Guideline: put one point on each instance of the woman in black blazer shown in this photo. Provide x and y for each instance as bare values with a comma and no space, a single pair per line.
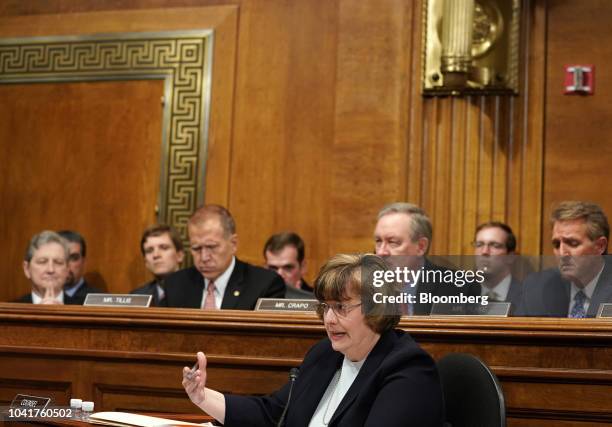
365,373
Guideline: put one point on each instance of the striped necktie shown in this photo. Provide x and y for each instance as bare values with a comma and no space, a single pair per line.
209,301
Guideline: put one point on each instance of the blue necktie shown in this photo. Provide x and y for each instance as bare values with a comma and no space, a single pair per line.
578,308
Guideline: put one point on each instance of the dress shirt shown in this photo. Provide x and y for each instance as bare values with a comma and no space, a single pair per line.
38,300
588,292
337,388
498,292
220,285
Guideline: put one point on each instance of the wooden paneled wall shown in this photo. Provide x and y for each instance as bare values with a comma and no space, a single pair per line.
553,371
578,128
317,119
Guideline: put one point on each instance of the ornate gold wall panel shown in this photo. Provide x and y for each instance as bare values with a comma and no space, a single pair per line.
182,59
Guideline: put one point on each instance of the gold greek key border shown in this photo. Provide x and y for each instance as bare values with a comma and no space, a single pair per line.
183,59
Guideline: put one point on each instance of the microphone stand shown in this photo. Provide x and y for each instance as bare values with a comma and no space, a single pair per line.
293,374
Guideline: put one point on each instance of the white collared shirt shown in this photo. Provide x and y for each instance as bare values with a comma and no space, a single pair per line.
499,291
587,290
337,388
38,300
220,284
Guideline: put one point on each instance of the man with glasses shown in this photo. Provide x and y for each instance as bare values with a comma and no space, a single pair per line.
494,247
218,279
76,287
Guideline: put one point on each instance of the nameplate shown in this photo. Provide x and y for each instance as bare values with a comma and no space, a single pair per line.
26,401
605,310
117,300
286,304
497,309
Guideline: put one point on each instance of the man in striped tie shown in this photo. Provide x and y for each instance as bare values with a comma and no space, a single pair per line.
583,277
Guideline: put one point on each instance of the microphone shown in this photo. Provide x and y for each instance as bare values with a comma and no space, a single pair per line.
293,374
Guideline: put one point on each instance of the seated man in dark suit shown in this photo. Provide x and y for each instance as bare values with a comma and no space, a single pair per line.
402,235
284,253
46,266
494,247
76,287
218,279
583,278
162,250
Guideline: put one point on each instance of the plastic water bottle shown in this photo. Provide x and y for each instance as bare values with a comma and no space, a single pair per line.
75,406
86,410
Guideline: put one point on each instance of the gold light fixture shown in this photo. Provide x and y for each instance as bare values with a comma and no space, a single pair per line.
471,46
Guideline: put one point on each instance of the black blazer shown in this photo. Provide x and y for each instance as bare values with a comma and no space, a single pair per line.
81,293
151,289
546,293
398,385
515,292
294,293
246,284
438,288
67,300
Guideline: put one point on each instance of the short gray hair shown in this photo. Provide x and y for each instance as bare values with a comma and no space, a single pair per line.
43,238
420,224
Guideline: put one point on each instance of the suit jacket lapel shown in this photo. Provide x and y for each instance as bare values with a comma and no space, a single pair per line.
234,287
603,290
558,298
514,293
374,360
311,390
192,295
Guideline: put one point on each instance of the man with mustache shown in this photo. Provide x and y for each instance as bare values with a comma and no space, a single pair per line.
583,279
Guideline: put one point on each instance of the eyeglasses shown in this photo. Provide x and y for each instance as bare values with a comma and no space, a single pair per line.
339,308
478,244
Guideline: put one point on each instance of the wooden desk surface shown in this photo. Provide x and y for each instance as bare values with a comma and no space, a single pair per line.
190,418
553,371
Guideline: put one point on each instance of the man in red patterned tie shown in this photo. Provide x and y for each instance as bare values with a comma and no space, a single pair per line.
218,279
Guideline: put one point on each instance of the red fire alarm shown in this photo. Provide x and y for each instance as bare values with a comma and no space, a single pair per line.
579,79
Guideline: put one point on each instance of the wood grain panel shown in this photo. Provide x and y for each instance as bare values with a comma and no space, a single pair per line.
578,128
369,147
83,157
122,232
283,124
59,391
553,371
466,153
478,158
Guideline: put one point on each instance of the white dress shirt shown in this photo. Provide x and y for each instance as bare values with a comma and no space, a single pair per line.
220,285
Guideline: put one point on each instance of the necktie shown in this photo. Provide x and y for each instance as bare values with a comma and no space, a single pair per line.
578,308
209,301
493,297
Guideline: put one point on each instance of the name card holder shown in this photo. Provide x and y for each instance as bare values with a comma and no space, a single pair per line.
286,304
117,300
605,311
493,309
30,402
